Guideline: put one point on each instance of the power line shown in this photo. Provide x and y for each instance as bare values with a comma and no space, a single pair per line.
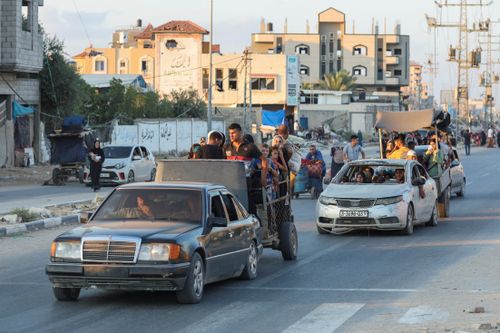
81,21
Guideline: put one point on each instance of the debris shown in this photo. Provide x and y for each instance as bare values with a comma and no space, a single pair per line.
482,327
477,309
42,212
10,219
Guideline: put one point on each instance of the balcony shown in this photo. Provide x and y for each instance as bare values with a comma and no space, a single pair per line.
263,38
392,81
392,60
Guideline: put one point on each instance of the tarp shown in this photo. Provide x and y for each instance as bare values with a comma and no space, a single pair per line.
20,111
407,121
273,118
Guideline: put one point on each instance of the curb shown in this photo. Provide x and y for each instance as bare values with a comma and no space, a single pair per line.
38,225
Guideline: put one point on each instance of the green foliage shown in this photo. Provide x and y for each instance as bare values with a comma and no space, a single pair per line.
187,103
338,81
25,215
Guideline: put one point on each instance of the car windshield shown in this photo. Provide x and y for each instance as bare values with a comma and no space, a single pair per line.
152,204
373,174
117,152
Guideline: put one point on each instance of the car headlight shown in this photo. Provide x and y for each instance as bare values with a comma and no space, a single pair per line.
389,201
328,201
159,252
66,250
120,165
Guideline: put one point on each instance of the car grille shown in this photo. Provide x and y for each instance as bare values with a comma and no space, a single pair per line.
110,250
355,203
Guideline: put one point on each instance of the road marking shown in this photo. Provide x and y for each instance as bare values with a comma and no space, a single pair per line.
325,318
302,262
364,290
423,314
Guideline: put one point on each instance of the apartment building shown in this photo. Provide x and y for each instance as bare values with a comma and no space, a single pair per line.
378,61
21,59
417,91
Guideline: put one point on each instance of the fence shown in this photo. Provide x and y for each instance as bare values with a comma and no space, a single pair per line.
164,136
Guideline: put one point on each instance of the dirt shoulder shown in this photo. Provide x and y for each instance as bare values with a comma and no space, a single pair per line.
32,175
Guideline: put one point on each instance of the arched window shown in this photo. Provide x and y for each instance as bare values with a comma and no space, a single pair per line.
146,65
100,64
360,50
302,49
359,71
304,70
123,66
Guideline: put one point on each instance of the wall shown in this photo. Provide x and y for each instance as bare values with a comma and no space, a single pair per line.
175,135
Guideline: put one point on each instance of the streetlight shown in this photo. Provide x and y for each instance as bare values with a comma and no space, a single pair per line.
209,111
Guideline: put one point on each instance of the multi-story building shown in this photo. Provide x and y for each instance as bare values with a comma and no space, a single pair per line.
417,91
378,61
21,59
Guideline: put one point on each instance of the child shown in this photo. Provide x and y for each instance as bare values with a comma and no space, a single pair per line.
272,173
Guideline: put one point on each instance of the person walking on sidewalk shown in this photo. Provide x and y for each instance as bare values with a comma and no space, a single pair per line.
96,157
353,150
491,135
467,141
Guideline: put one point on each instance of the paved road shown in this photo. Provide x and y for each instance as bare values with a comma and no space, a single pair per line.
363,282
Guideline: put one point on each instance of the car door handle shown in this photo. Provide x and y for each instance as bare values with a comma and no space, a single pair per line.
230,234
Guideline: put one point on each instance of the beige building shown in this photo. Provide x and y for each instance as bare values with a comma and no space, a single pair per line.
379,61
417,91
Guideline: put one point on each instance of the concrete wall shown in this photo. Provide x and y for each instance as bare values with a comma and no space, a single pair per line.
166,136
7,144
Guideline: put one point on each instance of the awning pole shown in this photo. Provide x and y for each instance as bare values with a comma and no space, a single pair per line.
380,143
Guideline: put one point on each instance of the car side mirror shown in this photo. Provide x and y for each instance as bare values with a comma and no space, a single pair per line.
418,182
217,222
136,158
85,217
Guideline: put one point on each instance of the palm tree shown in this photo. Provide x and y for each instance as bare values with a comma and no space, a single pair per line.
338,81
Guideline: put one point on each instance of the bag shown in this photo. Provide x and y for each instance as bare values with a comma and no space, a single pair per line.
315,170
338,155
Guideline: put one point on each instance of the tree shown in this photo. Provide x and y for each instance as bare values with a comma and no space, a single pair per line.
62,90
187,104
339,81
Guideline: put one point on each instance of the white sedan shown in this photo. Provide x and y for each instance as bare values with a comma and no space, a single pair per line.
378,194
125,164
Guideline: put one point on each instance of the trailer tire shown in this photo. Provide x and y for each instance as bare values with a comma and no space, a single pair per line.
288,241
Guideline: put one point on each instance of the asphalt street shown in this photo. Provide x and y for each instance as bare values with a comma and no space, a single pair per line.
360,282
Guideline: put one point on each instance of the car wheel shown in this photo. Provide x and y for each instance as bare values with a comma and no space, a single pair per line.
322,231
288,241
250,270
131,177
195,282
461,193
153,175
66,294
408,230
433,222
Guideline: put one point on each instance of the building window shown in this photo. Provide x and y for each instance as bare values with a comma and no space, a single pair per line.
147,45
339,64
359,71
332,46
279,45
304,70
171,44
330,64
219,79
123,64
360,50
26,15
323,48
205,74
144,66
99,66
302,49
388,74
263,83
397,51
233,79
397,72
323,68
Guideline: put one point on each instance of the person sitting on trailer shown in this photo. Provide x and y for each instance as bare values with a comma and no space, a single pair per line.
401,150
213,149
435,159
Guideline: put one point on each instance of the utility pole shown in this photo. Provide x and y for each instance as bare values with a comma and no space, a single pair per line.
460,53
245,60
210,83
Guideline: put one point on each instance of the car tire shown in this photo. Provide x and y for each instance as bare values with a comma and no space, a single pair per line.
252,264
322,231
153,175
288,241
408,230
66,294
131,177
195,282
433,222
461,193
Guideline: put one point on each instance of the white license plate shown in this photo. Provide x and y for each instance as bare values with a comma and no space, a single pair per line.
353,213
105,175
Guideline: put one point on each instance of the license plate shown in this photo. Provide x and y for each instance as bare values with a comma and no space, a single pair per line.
105,175
353,213
104,271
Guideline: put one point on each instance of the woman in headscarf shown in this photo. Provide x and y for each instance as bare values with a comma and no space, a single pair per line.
96,158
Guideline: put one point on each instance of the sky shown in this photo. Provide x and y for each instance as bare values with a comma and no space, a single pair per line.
83,22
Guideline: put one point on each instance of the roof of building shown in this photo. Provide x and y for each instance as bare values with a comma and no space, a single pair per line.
181,27
147,33
104,80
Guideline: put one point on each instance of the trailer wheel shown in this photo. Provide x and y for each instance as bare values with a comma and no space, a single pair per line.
444,203
57,176
288,241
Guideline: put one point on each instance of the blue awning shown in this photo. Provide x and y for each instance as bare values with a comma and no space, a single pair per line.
20,111
273,118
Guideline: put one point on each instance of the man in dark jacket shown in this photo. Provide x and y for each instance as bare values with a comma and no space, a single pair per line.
96,157
467,141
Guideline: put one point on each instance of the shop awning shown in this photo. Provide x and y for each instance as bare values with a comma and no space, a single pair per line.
407,121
